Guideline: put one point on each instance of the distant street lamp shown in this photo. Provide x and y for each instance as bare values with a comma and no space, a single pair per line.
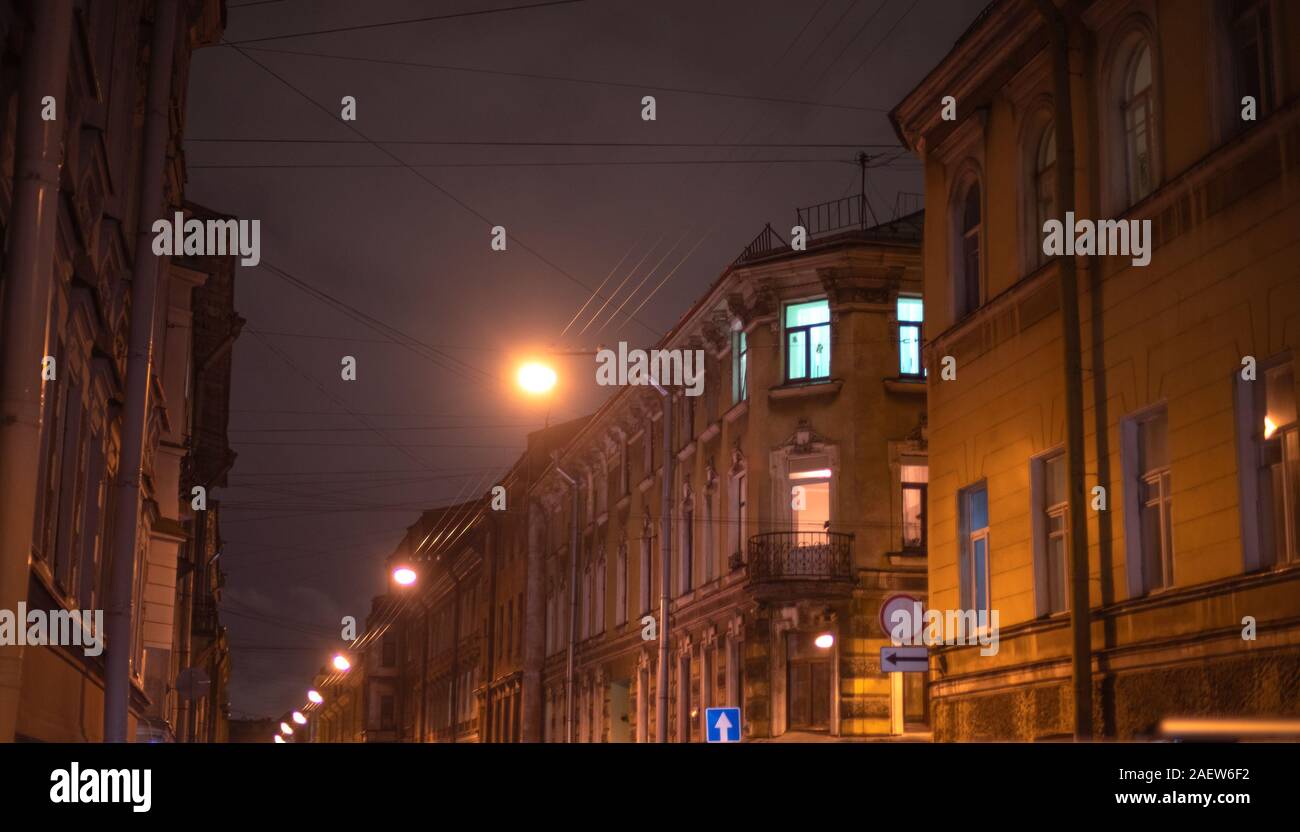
279,738
404,576
341,663
824,641
536,378
286,728
315,697
299,718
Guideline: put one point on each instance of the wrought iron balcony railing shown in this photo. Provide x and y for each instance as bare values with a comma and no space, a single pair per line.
802,556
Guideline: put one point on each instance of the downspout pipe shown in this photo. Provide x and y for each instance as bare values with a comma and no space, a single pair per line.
145,280
573,609
1058,29
665,566
25,331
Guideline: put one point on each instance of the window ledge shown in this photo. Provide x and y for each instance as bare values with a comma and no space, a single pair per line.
737,410
687,451
915,386
829,387
710,432
915,559
646,483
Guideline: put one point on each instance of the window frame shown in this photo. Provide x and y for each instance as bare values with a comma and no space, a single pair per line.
919,327
807,331
968,541
739,366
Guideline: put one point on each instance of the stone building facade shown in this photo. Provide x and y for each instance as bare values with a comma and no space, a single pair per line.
92,90
1188,417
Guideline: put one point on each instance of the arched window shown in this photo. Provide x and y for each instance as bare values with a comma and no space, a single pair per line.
968,289
1044,186
1139,122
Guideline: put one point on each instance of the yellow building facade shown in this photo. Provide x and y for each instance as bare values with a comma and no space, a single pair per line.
1189,429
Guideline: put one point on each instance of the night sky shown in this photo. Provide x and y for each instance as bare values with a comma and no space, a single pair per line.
375,241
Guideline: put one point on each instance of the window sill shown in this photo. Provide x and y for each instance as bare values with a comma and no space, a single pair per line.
916,559
710,432
826,387
909,385
687,451
646,483
737,410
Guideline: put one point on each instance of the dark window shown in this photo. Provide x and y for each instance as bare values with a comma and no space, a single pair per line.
1252,52
970,251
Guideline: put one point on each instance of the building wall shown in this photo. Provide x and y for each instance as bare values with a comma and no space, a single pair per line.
72,438
861,421
1221,285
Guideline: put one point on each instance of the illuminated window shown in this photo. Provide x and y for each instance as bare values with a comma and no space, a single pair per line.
915,477
911,313
808,340
1275,436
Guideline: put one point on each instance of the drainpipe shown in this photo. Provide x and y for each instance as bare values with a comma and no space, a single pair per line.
144,300
573,609
1080,603
665,566
25,326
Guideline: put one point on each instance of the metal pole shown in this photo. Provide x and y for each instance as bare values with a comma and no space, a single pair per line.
144,300
665,567
1080,603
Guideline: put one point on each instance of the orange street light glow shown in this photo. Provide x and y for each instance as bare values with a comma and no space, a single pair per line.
536,378
279,738
285,728
315,697
824,641
299,718
404,575
341,662
1270,427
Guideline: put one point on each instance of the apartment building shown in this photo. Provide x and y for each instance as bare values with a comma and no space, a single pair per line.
796,498
797,505
1184,115
96,506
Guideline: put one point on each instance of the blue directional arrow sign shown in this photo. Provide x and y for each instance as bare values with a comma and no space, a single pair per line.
904,659
723,724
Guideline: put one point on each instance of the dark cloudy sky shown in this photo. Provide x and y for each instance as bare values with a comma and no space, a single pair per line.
330,472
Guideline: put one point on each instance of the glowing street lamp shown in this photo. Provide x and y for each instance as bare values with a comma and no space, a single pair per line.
341,663
279,738
299,718
536,378
286,728
824,641
315,697
404,576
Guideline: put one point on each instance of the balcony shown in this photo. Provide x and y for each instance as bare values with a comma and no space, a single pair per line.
815,563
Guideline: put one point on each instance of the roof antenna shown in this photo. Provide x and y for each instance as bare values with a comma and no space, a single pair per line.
863,158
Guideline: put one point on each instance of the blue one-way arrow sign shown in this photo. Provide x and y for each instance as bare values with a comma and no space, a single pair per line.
723,724
904,659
